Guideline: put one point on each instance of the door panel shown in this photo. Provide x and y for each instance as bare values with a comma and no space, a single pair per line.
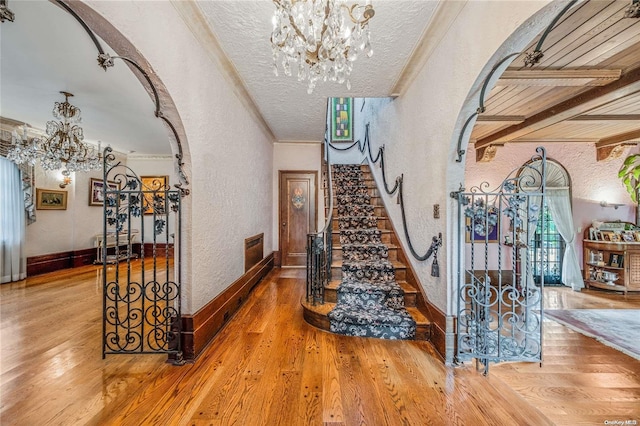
297,215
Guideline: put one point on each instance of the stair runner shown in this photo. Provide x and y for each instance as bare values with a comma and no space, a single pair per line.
370,303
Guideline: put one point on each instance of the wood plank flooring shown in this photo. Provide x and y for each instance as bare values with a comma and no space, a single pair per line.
268,367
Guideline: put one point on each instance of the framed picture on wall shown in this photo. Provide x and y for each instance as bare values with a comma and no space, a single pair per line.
154,188
476,235
51,199
96,191
342,119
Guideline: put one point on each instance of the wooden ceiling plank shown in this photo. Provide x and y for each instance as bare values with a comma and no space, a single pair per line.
515,106
572,21
628,105
629,57
628,84
603,42
500,119
606,117
564,77
537,104
620,49
607,30
502,95
633,135
578,36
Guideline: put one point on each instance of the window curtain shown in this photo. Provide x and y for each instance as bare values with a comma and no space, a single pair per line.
559,205
13,263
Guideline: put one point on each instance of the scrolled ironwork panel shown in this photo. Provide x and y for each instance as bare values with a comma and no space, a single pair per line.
142,292
499,305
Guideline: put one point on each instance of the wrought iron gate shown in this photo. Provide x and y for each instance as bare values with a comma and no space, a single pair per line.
140,254
499,306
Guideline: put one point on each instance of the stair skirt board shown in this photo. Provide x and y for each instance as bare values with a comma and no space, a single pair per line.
370,303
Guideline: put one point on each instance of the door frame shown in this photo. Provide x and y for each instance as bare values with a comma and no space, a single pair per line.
315,210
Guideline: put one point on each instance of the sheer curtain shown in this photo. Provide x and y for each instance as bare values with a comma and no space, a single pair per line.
13,263
559,205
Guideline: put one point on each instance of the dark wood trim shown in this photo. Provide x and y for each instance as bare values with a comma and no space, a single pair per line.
42,264
431,311
277,260
253,250
51,262
160,249
314,224
83,257
199,329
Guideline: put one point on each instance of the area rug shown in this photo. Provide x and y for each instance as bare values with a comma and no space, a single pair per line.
618,328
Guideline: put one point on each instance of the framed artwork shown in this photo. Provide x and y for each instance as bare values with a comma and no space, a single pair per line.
342,119
615,260
96,188
480,236
628,237
51,199
154,188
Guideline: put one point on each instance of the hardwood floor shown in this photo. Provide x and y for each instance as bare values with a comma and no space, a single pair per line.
268,367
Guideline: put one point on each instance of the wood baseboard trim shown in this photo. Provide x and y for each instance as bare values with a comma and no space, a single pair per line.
42,264
161,249
199,329
431,311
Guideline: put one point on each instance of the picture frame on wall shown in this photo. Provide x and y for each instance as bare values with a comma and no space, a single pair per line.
154,188
96,191
51,199
478,238
342,119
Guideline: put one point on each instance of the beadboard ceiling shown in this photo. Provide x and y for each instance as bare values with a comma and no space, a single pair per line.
585,89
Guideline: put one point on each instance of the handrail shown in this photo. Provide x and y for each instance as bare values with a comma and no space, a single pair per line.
319,243
329,177
398,187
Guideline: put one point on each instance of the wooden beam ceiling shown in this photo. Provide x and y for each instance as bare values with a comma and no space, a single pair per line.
561,77
579,105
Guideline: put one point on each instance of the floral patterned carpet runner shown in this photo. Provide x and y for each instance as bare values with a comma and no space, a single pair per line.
370,302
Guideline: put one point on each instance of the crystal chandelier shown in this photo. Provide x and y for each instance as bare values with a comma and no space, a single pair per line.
63,146
321,38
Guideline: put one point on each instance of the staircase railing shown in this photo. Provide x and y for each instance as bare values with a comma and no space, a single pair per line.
320,243
436,241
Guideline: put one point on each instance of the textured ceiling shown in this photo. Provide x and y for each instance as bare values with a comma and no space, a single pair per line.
46,51
243,29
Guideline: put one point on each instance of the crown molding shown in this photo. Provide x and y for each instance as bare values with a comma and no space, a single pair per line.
443,17
195,20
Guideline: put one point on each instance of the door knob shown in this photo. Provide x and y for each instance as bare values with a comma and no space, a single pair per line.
284,223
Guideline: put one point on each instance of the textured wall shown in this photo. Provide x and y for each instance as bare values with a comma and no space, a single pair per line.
419,128
232,158
591,181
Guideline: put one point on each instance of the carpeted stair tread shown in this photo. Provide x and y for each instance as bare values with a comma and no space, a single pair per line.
396,264
369,300
405,286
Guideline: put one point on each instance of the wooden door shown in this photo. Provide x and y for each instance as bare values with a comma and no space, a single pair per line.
298,196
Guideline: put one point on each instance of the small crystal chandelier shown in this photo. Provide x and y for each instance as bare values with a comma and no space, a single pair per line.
63,146
314,37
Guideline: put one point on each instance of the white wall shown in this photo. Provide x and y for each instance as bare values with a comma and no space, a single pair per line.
420,128
229,155
296,156
58,231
